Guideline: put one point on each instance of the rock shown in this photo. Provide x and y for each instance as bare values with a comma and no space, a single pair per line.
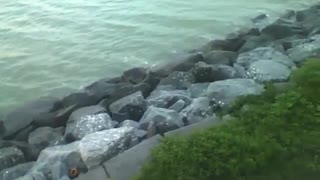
38,176
134,75
282,28
220,57
9,157
263,53
110,93
166,98
24,115
224,92
16,171
240,69
178,106
198,89
199,109
99,147
129,123
202,72
254,42
222,72
309,20
86,123
160,121
265,71
303,51
58,171
45,136
24,133
30,152
180,80
69,155
130,107
98,173
132,160
293,41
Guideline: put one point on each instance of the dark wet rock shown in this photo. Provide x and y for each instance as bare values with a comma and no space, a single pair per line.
68,155
45,136
160,120
24,133
178,106
198,89
199,109
99,147
134,75
266,71
85,121
180,80
220,57
166,98
309,20
129,123
16,171
259,18
58,171
306,50
202,72
283,28
224,92
254,42
87,124
30,152
294,41
9,157
130,107
24,115
264,53
222,72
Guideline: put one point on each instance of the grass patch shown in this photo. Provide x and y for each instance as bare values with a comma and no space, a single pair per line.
272,136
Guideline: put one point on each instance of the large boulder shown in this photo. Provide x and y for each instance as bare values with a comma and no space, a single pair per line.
160,120
99,147
224,92
178,79
129,107
306,50
283,28
25,114
265,71
220,57
166,98
87,124
198,89
263,53
46,136
308,18
222,72
9,157
16,171
31,152
135,75
200,109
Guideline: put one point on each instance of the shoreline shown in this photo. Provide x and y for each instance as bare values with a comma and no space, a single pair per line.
112,119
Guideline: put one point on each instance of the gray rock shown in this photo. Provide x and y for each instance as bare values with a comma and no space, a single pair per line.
130,107
309,20
16,171
78,128
263,53
58,171
178,106
39,176
304,51
30,152
46,136
129,123
220,57
67,178
202,72
160,120
69,155
282,28
25,114
134,75
99,147
198,89
95,174
199,109
132,160
224,92
240,69
24,133
9,157
166,98
180,80
222,72
265,71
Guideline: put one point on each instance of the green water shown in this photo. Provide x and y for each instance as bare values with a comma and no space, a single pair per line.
52,47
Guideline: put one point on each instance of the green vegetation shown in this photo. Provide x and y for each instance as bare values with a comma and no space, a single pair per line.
275,137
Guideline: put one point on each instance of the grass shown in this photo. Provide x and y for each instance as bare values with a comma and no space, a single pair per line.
275,137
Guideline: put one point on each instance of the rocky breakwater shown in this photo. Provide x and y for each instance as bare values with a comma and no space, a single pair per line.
107,129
